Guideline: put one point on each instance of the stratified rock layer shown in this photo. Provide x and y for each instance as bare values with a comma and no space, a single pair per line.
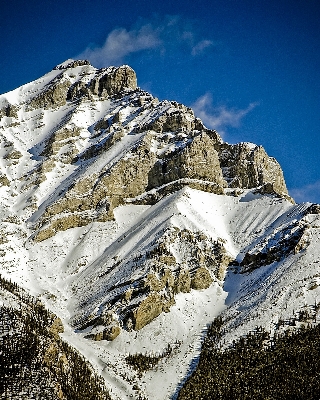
247,166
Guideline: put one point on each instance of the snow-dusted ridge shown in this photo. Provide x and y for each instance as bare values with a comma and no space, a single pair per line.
132,221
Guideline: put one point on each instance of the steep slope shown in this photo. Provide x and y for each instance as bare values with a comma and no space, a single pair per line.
137,225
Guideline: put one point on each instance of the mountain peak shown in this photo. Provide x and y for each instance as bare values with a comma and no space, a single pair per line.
71,63
137,224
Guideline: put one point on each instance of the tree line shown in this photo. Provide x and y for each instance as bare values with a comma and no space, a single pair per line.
34,362
258,366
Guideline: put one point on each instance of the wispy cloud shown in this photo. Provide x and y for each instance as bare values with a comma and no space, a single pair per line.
219,117
172,33
120,43
199,47
310,192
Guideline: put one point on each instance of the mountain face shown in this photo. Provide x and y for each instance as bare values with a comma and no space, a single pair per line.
137,225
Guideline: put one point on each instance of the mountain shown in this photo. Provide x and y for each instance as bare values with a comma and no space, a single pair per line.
137,226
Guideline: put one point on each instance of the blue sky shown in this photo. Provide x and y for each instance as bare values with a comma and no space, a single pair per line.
249,68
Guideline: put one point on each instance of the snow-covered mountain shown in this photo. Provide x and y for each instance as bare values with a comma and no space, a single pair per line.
137,225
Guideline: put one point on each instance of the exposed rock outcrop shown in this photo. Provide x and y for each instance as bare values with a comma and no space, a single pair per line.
150,308
247,166
183,282
10,110
177,118
196,165
290,240
174,149
113,80
109,333
134,302
65,136
107,82
197,160
4,181
71,64
313,209
156,194
54,95
112,332
201,279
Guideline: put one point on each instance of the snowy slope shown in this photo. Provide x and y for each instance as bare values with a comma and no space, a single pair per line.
246,298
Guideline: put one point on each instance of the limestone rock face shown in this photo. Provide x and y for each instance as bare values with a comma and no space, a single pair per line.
79,90
54,95
4,181
169,148
201,279
198,160
197,263
62,224
9,154
183,282
9,110
247,166
149,309
155,284
156,194
107,82
96,196
113,80
111,333
178,118
60,138
129,177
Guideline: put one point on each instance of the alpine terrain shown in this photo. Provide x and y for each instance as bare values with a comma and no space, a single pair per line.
128,232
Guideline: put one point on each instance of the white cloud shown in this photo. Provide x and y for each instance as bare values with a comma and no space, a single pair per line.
310,192
120,43
199,47
171,33
218,117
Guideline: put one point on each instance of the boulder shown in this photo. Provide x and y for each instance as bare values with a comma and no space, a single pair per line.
182,282
201,279
150,308
111,332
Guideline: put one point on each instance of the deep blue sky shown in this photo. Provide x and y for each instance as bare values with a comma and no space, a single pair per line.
250,68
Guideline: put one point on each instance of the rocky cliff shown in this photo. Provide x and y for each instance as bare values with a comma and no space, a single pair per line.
146,144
